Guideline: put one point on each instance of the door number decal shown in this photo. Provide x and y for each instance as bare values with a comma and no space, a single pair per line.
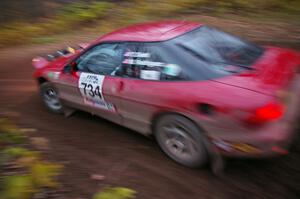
90,86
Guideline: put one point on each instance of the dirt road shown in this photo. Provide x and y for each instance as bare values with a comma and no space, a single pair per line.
90,145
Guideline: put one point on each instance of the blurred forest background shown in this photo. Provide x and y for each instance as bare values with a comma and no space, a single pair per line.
36,21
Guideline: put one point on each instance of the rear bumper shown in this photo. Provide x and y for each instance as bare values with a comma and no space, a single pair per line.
270,140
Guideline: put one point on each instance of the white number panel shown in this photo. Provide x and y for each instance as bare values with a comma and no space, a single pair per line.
90,86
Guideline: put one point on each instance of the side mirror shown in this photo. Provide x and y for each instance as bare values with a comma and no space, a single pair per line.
118,72
69,67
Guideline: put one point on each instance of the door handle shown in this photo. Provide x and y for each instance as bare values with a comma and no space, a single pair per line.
117,87
121,86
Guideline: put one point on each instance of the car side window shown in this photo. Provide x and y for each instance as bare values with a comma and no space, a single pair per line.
147,61
103,59
130,69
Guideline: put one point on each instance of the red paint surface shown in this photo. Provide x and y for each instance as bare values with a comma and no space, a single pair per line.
240,95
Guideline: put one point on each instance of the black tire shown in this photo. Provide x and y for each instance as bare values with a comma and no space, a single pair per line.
181,140
45,89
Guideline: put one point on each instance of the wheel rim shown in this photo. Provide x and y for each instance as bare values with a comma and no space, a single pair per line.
178,142
51,99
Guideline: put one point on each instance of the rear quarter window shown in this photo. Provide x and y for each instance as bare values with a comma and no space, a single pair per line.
149,61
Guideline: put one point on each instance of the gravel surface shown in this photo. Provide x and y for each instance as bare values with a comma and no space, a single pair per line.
89,146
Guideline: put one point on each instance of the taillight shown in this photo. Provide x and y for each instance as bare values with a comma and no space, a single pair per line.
269,112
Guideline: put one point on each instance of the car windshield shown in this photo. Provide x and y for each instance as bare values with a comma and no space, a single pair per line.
217,47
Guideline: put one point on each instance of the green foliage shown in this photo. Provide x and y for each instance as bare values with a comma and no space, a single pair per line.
73,15
17,187
34,172
115,193
44,174
169,7
13,138
23,155
79,13
17,152
121,13
40,175
9,133
7,127
43,40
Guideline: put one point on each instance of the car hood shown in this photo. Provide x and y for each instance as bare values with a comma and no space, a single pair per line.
58,59
272,71
56,64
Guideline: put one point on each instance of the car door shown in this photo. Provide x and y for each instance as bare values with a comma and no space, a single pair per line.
91,83
143,93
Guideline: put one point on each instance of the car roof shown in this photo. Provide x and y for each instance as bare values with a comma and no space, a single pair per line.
150,32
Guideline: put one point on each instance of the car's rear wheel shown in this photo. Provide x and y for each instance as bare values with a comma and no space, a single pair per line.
181,140
50,97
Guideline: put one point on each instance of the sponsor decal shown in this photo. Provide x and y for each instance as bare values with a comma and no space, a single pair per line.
53,75
171,70
235,146
222,145
150,74
143,63
246,148
137,54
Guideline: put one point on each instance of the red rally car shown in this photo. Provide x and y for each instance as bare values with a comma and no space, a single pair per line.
197,89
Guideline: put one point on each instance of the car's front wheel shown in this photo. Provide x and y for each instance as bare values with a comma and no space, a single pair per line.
181,140
50,97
